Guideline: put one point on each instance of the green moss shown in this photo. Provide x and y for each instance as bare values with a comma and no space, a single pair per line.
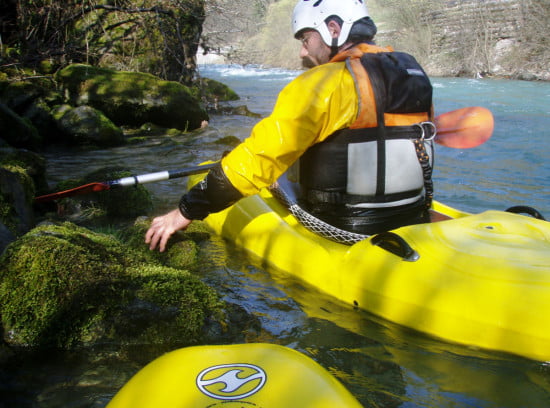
132,98
52,280
64,285
86,125
183,249
174,132
215,90
169,288
125,202
8,214
46,67
136,140
182,254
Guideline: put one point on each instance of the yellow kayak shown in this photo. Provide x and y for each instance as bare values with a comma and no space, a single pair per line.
480,280
243,375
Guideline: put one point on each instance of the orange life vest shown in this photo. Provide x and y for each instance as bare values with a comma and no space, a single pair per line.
373,163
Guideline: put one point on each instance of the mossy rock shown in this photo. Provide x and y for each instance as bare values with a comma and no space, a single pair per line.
65,286
33,163
18,95
64,271
123,202
132,98
16,195
182,249
127,202
238,110
18,131
174,303
215,90
85,125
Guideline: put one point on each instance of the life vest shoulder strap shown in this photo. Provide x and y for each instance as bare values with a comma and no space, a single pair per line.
375,70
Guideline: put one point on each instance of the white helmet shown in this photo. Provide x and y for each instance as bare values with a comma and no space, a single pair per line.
313,13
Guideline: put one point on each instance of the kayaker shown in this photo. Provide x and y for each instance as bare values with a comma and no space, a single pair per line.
360,168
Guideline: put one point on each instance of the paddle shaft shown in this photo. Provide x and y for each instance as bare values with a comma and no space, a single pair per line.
159,176
126,181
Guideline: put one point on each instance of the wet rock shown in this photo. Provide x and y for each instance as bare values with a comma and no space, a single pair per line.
183,247
238,110
17,131
115,203
213,92
33,164
230,141
16,195
83,288
132,98
85,125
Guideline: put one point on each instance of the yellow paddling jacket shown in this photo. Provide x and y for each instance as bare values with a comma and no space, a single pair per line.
311,109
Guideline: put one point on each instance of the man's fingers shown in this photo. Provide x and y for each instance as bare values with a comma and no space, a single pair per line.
154,242
154,233
163,227
164,241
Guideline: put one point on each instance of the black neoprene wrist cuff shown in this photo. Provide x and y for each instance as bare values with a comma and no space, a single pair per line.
211,195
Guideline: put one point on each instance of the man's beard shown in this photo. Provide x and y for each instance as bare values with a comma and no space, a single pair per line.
308,63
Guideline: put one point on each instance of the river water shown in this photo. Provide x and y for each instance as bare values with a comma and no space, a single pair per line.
382,364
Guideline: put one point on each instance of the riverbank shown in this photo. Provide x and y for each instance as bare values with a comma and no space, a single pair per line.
470,39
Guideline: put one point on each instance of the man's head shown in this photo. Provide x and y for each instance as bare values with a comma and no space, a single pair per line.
324,26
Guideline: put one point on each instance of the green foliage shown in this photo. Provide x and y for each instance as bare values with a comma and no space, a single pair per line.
160,37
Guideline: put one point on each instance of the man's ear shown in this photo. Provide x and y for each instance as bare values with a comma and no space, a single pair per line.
334,28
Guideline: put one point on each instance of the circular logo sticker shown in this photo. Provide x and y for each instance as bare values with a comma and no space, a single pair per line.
231,381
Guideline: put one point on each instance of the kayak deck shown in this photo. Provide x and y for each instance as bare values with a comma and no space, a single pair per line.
256,374
480,280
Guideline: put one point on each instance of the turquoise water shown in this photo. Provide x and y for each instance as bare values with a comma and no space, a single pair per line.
511,168
382,364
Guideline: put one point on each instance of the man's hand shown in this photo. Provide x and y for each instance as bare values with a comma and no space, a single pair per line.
163,227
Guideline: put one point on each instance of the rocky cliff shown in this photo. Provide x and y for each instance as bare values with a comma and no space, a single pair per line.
504,38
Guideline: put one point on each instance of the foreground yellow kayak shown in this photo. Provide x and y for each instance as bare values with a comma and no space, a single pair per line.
243,375
480,280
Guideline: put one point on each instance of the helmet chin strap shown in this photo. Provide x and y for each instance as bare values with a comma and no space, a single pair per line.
334,48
